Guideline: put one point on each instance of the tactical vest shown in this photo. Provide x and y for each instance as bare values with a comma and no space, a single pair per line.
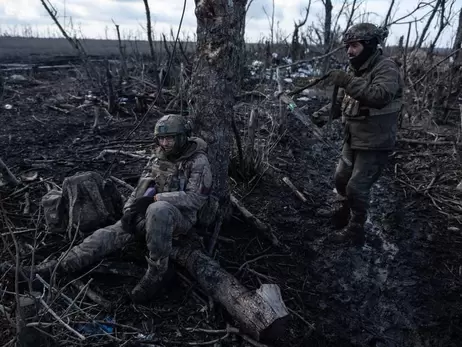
165,176
351,108
371,128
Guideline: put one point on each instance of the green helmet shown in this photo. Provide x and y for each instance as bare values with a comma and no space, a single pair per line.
365,32
173,125
170,125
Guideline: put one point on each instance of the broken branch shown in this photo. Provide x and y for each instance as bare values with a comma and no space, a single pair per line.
299,194
58,318
254,221
7,174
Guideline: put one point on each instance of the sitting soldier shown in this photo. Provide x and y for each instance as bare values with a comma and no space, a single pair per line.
173,188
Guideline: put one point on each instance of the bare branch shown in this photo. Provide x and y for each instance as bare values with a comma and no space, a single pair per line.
387,17
423,35
420,6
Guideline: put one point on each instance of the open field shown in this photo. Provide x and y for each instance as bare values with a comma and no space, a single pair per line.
25,50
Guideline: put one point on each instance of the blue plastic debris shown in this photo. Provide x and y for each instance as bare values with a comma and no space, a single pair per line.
96,328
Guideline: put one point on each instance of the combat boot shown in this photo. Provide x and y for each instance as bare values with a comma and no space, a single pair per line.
158,274
354,233
341,215
44,269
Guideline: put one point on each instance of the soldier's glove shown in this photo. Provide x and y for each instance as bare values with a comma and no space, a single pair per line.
339,78
128,221
140,205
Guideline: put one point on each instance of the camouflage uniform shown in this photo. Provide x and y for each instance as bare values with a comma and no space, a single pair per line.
183,184
370,102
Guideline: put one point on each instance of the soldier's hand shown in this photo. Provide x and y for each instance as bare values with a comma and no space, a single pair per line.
339,78
128,221
140,205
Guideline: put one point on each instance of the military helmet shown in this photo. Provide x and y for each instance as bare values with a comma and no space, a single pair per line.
365,32
176,126
171,125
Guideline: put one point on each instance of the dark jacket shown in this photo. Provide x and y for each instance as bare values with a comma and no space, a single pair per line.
371,103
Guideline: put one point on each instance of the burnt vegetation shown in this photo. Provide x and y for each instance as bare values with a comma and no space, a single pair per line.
68,106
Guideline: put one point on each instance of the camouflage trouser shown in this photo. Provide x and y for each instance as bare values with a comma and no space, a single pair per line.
355,182
161,224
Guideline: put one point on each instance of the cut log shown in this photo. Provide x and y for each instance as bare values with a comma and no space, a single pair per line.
261,313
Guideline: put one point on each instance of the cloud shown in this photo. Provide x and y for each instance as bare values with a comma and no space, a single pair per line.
94,18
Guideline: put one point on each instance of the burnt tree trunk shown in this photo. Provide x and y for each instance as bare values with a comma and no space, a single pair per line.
327,32
458,39
220,48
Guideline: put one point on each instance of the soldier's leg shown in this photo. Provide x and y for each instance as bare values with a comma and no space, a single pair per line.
367,170
343,172
163,222
95,247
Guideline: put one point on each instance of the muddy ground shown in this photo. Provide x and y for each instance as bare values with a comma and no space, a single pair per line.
401,289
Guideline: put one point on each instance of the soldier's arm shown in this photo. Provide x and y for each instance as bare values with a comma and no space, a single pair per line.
381,91
145,173
197,188
324,111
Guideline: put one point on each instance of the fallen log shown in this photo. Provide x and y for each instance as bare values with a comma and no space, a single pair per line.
261,313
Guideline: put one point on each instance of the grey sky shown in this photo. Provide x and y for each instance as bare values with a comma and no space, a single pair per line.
93,18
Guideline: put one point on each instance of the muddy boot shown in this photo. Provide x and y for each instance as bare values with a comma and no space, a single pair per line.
341,215
353,233
44,269
158,274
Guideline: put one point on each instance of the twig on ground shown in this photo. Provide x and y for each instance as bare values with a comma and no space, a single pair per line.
422,142
93,296
7,174
128,154
53,313
258,258
311,325
299,194
254,221
122,183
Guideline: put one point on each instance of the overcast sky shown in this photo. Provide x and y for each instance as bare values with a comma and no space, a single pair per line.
93,18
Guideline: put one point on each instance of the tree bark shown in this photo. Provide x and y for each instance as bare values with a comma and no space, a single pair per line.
327,32
220,47
458,39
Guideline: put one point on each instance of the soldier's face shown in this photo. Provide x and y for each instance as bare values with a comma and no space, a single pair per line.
167,143
354,49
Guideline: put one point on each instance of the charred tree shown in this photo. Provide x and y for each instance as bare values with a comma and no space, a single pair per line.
458,39
327,31
296,48
220,48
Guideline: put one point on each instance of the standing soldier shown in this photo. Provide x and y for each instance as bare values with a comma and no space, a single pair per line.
370,98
